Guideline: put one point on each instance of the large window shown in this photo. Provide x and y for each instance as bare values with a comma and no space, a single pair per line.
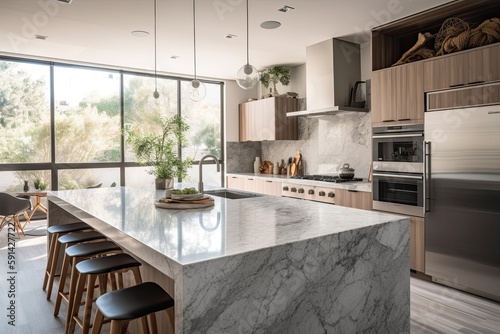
24,112
87,115
63,124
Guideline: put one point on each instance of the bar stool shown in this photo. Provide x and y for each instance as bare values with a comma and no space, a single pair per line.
73,255
54,248
74,238
138,301
88,272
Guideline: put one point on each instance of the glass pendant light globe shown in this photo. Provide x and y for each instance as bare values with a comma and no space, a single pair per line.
156,94
247,76
196,90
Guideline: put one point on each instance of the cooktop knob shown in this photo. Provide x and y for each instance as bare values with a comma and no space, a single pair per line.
285,188
331,194
310,192
322,193
301,190
293,190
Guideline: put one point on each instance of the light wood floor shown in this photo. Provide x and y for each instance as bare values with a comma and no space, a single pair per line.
434,308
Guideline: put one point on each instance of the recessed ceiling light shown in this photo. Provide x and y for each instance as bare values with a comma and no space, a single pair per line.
270,24
285,8
140,33
230,36
174,57
41,37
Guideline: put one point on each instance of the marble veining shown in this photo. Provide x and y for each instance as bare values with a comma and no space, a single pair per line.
261,265
326,143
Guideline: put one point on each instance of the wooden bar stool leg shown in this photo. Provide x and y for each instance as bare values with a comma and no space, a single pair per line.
152,323
49,261
62,281
98,319
118,326
88,304
82,279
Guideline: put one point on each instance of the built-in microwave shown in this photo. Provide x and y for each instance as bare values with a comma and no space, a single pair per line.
398,148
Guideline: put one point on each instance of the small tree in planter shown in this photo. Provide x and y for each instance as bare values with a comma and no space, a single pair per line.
273,75
159,150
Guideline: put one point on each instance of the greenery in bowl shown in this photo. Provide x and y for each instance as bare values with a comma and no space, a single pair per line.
273,75
159,150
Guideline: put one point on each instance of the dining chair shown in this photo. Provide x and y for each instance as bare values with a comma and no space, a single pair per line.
11,206
95,186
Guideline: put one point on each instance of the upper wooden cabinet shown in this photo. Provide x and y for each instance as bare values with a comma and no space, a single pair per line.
398,95
266,119
462,68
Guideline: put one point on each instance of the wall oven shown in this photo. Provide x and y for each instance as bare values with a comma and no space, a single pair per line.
398,169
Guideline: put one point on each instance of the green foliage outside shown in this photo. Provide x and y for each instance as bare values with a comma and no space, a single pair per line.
90,131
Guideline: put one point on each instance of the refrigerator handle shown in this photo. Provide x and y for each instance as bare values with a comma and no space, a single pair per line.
427,176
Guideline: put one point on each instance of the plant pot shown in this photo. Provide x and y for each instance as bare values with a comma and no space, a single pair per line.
164,184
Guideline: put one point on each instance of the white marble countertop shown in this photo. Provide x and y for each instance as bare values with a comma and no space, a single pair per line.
230,227
362,186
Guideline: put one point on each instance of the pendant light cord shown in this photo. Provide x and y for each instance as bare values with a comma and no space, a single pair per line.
194,36
247,34
155,45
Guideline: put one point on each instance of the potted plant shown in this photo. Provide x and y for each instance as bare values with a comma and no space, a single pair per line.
159,150
273,75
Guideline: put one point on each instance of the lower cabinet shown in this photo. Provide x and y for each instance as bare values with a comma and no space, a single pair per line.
255,185
354,199
417,245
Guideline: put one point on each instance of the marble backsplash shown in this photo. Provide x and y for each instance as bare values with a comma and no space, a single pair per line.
326,143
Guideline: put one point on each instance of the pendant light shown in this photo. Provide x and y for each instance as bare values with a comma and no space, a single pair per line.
247,76
155,94
196,89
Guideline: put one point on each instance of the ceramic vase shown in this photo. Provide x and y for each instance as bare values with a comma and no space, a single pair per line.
256,165
26,187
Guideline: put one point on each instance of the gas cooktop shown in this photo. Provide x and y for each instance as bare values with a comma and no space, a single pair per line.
325,178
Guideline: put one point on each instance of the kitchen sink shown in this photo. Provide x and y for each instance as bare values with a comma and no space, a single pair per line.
230,194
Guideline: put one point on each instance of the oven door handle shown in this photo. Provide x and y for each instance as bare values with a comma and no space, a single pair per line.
403,135
397,176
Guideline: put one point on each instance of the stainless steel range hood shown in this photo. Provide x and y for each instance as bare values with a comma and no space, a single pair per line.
332,69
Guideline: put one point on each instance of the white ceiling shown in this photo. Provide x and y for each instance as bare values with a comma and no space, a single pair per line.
99,31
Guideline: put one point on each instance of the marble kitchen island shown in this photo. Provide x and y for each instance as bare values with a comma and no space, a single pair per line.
261,264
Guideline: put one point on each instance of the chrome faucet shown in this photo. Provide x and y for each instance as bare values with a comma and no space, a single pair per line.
200,179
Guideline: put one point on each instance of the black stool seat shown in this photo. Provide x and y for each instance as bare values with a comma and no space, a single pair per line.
66,228
134,302
81,250
80,237
107,264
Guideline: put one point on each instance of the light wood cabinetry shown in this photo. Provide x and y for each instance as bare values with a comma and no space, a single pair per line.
398,95
266,119
255,185
462,68
417,245
353,199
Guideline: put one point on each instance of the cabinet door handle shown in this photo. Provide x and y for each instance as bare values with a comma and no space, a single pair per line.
269,181
250,179
403,119
457,85
388,120
476,82
352,191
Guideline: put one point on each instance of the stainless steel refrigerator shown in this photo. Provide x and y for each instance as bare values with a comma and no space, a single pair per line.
462,190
